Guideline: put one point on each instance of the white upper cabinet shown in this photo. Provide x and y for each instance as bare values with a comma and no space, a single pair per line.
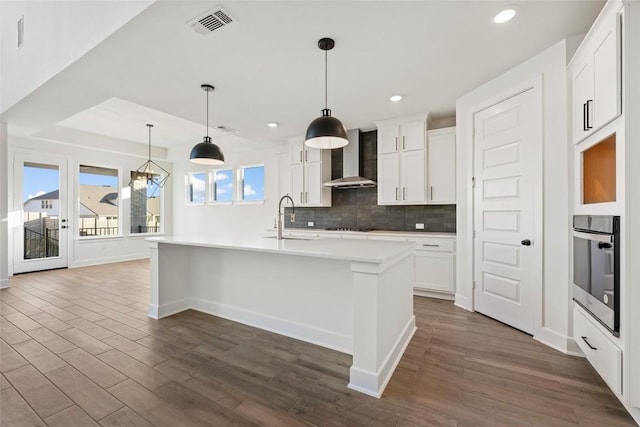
309,169
596,76
441,166
402,161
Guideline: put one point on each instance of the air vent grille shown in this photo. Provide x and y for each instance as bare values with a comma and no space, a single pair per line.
227,129
211,20
20,32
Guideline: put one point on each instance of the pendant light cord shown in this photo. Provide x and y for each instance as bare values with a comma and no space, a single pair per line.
326,103
149,142
207,113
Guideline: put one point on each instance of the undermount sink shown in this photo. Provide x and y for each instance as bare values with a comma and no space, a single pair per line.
291,238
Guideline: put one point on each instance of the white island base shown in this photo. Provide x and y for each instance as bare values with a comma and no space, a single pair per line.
353,296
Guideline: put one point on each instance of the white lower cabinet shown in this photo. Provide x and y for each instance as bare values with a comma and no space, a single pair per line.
434,267
603,354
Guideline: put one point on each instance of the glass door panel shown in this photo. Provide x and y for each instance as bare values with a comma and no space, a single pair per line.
40,239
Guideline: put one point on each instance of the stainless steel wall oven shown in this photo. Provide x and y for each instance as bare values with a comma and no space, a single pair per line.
596,268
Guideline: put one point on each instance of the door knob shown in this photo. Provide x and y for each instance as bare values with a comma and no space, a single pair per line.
526,242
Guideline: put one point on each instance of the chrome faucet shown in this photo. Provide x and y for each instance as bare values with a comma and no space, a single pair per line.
280,213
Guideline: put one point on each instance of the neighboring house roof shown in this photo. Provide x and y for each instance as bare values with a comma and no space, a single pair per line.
51,195
100,200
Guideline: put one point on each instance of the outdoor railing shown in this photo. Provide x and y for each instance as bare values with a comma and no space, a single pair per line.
41,245
99,231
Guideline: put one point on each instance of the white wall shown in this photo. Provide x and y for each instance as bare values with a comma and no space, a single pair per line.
230,219
551,65
56,33
88,251
4,215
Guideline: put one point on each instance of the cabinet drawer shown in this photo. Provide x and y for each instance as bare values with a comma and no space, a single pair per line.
601,352
438,245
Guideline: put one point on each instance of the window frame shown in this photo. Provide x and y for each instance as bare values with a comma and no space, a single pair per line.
77,221
187,183
161,207
211,192
240,184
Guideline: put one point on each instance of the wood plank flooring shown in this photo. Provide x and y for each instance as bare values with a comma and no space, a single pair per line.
77,348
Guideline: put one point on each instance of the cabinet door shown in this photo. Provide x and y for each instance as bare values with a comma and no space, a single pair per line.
297,183
388,139
441,167
388,179
313,183
582,92
413,135
296,152
412,177
606,75
434,271
312,154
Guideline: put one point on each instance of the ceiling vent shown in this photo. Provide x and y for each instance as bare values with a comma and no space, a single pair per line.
227,129
211,21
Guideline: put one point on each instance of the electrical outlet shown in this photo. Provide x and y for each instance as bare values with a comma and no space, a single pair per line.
310,224
419,226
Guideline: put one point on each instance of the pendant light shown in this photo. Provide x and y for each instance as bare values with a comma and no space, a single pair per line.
151,172
326,132
206,152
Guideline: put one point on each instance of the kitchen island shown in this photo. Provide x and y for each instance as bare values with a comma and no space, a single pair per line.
354,296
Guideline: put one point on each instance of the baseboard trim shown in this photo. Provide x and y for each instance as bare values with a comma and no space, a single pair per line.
374,383
463,302
552,339
299,331
164,310
109,260
433,294
4,284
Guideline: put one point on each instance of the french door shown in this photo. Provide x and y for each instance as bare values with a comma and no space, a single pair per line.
40,234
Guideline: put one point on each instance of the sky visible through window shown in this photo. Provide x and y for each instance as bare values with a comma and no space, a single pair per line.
38,181
254,183
224,185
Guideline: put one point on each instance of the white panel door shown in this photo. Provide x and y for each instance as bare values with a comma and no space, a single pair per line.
412,176
388,178
506,143
40,195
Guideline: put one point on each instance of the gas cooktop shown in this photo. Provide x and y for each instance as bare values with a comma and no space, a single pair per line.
348,229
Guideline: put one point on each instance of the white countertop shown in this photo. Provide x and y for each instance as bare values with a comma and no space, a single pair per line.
372,251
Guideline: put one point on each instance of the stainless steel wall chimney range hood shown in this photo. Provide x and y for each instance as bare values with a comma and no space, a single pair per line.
350,162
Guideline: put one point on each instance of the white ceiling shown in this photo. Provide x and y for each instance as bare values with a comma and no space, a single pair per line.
267,67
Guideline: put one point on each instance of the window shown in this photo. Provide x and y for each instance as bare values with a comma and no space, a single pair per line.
195,191
251,183
98,208
221,185
145,203
46,204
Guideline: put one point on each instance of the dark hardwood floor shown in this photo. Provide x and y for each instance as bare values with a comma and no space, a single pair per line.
78,349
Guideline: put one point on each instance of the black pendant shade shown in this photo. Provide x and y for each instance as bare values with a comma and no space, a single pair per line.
326,132
206,152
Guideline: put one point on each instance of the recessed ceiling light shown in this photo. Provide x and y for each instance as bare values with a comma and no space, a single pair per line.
504,15
395,98
272,124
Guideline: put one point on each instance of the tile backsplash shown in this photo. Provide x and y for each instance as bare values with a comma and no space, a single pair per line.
358,207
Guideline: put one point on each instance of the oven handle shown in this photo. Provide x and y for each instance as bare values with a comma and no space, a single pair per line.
607,238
